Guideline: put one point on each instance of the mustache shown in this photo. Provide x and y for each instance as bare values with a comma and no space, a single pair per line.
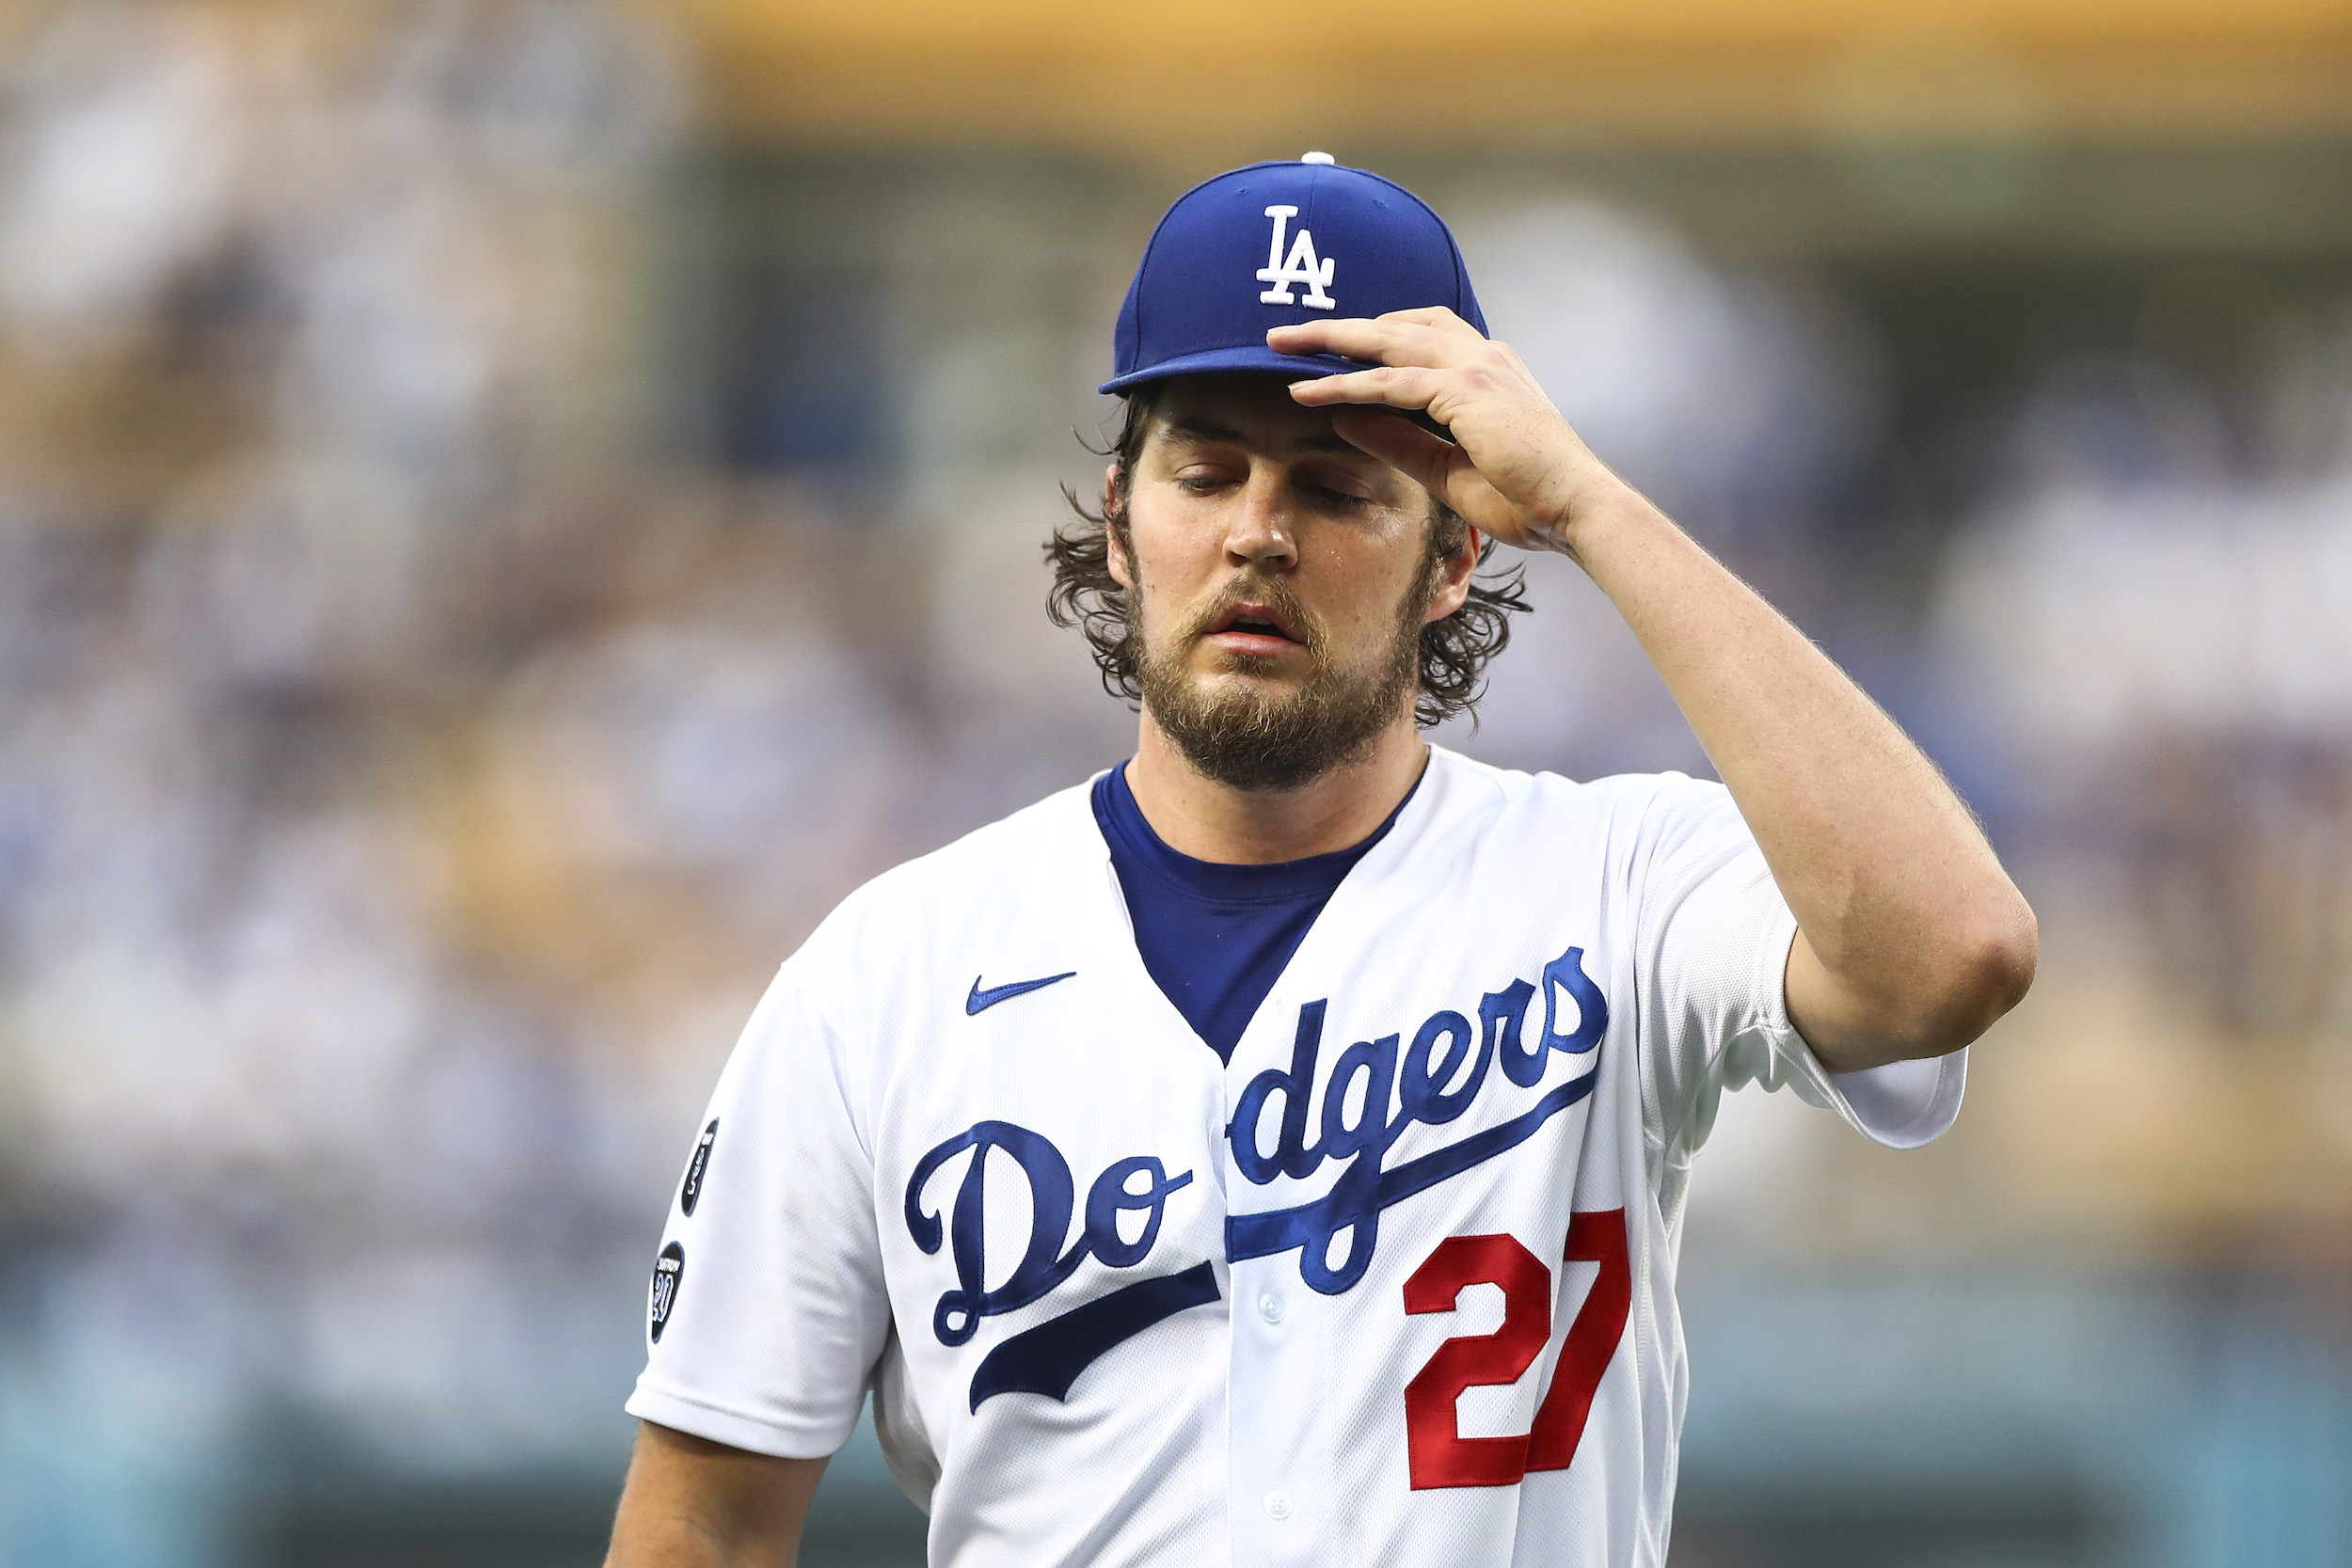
1273,594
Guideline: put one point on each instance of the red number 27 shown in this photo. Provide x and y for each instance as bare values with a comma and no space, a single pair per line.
1440,1455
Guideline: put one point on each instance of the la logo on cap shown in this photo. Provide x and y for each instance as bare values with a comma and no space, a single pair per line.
1301,266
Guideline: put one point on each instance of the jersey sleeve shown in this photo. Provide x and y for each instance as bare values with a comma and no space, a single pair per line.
775,1311
1712,941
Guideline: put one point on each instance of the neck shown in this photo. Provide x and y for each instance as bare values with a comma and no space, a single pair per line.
1195,815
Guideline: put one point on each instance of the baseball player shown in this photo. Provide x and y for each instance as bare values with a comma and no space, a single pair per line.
1272,1151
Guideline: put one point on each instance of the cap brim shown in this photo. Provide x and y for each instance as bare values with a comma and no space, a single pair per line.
1252,357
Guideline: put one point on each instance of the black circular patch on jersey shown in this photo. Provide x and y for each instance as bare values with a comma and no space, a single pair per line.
691,1193
669,1271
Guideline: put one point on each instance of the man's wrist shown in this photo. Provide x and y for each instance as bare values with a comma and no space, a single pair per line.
1598,512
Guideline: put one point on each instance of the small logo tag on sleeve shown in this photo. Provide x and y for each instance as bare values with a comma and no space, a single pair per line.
669,1270
691,1193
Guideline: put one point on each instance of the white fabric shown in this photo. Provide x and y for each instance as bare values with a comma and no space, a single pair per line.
1268,1425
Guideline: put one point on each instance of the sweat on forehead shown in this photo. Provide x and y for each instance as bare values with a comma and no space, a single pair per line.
1252,411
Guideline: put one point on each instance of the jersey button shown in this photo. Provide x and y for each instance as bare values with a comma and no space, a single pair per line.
1270,1308
1279,1504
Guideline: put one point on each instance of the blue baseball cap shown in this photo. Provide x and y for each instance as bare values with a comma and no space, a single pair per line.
1273,244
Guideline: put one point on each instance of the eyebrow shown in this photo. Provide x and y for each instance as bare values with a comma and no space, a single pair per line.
1199,428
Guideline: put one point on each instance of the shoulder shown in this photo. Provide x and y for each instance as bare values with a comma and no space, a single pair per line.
1628,829
1485,796
1010,873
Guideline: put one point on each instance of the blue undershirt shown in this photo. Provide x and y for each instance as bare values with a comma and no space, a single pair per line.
1215,936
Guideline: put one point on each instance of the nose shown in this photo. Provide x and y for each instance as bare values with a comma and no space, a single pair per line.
1260,530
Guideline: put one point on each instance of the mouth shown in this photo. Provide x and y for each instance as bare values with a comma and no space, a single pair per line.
1253,628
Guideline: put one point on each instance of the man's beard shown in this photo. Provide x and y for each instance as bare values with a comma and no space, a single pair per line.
1247,736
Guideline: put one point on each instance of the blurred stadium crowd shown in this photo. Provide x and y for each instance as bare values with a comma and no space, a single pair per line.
481,574
359,872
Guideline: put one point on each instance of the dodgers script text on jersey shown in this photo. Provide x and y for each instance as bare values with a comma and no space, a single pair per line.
1395,1285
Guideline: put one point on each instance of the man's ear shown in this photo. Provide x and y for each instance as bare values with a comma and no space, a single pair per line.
1454,580
1116,557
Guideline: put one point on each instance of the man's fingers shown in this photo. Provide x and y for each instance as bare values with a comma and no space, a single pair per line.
1434,315
1392,385
1437,465
1398,442
1384,342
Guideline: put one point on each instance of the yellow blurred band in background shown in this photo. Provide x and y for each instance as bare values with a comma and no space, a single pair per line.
1224,79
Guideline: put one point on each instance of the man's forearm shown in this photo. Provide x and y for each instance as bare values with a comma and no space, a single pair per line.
1912,938
693,1504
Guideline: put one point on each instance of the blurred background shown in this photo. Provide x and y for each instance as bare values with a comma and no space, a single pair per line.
510,508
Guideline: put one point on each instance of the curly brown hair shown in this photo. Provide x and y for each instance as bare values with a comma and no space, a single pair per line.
1453,650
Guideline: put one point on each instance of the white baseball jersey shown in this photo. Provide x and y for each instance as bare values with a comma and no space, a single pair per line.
1394,1285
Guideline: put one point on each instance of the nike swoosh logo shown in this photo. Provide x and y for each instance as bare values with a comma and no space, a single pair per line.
980,1000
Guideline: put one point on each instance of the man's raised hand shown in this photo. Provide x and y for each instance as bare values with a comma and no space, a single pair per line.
1514,469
